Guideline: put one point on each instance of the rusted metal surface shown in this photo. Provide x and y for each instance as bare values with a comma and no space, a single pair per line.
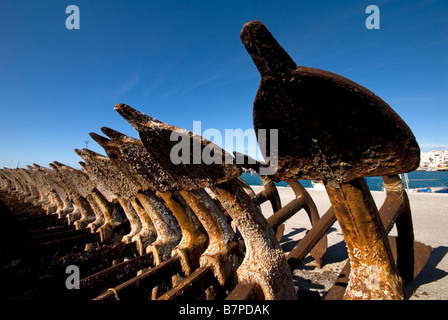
319,249
114,186
80,188
137,286
329,127
147,233
409,255
366,242
403,221
223,252
194,239
153,131
246,291
267,266
312,237
333,129
168,234
192,286
156,217
115,275
281,215
270,193
264,261
421,251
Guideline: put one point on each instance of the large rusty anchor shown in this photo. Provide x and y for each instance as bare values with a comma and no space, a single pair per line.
81,189
193,238
147,233
333,129
222,246
267,266
49,199
115,186
64,205
131,157
220,258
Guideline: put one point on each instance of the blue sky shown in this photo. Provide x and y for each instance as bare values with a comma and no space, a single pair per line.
183,61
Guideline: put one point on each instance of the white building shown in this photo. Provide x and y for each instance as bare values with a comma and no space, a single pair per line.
434,159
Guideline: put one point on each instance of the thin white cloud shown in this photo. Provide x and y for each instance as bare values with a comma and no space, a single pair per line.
240,78
154,85
202,82
127,86
182,89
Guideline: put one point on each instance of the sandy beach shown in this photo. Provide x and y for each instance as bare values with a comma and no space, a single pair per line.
430,220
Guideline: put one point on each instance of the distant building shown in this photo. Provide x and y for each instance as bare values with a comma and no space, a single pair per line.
434,159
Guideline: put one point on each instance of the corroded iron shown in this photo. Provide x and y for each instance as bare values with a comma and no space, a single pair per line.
264,262
367,244
333,129
328,126
64,205
115,186
221,239
81,188
166,214
147,233
266,266
223,252
220,235
152,131
194,240
409,255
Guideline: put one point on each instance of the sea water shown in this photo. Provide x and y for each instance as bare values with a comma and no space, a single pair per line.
417,179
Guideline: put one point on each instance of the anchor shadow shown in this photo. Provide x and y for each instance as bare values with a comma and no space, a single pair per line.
430,272
335,253
288,242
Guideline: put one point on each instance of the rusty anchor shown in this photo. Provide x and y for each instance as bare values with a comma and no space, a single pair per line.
162,214
266,267
194,239
65,206
333,129
81,188
222,244
221,239
147,233
73,196
47,198
115,186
